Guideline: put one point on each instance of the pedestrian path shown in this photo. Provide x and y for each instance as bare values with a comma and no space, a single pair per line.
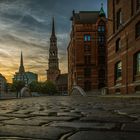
70,118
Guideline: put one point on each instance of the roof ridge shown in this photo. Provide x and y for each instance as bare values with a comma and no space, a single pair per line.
89,11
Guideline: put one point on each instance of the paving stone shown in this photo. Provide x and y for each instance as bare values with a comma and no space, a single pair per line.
23,111
79,125
102,135
69,114
53,118
5,118
134,127
132,110
16,115
114,119
50,133
40,113
26,122
16,138
5,111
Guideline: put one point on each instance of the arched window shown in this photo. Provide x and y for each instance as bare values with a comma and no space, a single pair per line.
101,27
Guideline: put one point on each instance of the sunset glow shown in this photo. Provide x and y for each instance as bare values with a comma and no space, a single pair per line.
25,25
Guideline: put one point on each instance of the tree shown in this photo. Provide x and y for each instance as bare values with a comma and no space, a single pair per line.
48,88
17,86
35,86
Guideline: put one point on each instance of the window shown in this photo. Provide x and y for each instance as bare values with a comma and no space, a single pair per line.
138,4
118,44
87,59
101,39
87,48
137,29
137,63
119,18
87,71
118,70
101,28
87,37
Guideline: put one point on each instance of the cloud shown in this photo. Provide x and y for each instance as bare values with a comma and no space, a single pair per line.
26,25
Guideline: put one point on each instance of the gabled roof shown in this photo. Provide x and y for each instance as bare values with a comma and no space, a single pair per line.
86,17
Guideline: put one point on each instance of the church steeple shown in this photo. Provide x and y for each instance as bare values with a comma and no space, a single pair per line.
53,27
53,65
21,68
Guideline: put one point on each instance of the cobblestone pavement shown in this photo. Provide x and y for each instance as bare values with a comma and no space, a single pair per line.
70,118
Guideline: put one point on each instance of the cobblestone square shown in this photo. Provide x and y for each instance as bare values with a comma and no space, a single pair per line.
70,118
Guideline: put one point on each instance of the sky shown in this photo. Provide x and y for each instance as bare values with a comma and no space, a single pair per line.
25,25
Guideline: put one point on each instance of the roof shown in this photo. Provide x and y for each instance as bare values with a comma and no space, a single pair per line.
102,13
86,16
62,79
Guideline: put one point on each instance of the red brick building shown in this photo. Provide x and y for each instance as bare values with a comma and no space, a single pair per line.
87,50
123,46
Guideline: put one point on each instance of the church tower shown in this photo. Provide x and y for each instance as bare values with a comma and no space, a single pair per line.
21,74
21,67
53,65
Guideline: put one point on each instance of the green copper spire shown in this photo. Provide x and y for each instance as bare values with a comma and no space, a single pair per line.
102,13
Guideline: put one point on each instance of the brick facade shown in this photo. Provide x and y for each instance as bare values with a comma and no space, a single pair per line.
87,50
129,82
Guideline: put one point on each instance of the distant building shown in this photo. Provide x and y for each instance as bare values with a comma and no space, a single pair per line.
21,75
123,46
62,84
53,70
31,77
87,50
3,84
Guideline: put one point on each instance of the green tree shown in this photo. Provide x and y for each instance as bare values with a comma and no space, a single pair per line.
17,86
48,88
35,86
